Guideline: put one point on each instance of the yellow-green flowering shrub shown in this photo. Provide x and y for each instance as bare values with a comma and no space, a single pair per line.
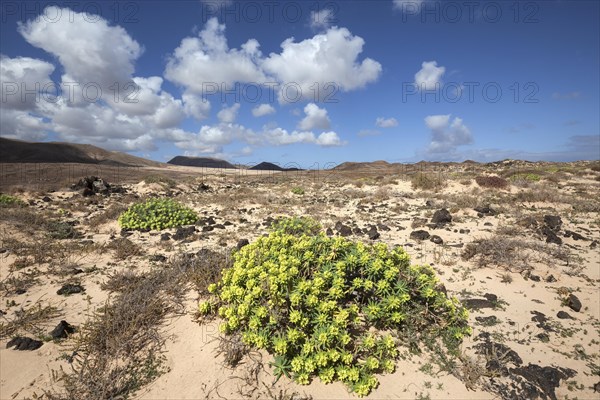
157,214
329,307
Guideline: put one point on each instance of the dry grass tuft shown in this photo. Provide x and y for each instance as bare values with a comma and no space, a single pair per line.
28,320
424,181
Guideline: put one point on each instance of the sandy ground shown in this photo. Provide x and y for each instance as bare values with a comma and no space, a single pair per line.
196,372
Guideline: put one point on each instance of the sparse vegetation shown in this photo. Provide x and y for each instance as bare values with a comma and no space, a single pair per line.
297,190
492,182
424,181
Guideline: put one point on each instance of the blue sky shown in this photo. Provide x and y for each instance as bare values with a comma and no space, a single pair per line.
388,80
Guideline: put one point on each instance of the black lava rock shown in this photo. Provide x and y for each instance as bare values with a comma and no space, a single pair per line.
574,235
441,217
24,343
184,232
373,234
419,235
553,222
485,210
564,315
436,239
62,330
573,303
69,289
551,236
343,230
165,236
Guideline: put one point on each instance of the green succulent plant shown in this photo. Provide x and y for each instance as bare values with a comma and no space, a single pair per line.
331,308
157,214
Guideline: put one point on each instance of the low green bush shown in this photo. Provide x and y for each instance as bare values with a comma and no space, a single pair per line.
525,177
331,308
296,226
298,190
157,214
10,201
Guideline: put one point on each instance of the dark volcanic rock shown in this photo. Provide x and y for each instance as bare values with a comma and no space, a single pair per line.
541,321
485,210
564,315
553,222
574,235
70,288
183,232
91,185
573,303
597,387
203,187
436,239
551,236
419,235
441,217
373,234
241,243
62,330
165,236
343,230
24,343
329,232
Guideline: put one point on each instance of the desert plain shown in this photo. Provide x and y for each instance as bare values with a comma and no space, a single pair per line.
516,242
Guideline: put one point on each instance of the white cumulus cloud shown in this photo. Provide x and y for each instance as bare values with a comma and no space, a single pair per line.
207,59
324,59
446,135
429,77
89,51
262,110
228,114
316,118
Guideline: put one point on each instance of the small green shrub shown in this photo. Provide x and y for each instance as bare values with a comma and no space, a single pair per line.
296,226
525,177
332,308
10,201
157,214
298,190
494,182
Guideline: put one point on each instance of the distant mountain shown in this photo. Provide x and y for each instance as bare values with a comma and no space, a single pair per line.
18,151
352,166
203,162
267,166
